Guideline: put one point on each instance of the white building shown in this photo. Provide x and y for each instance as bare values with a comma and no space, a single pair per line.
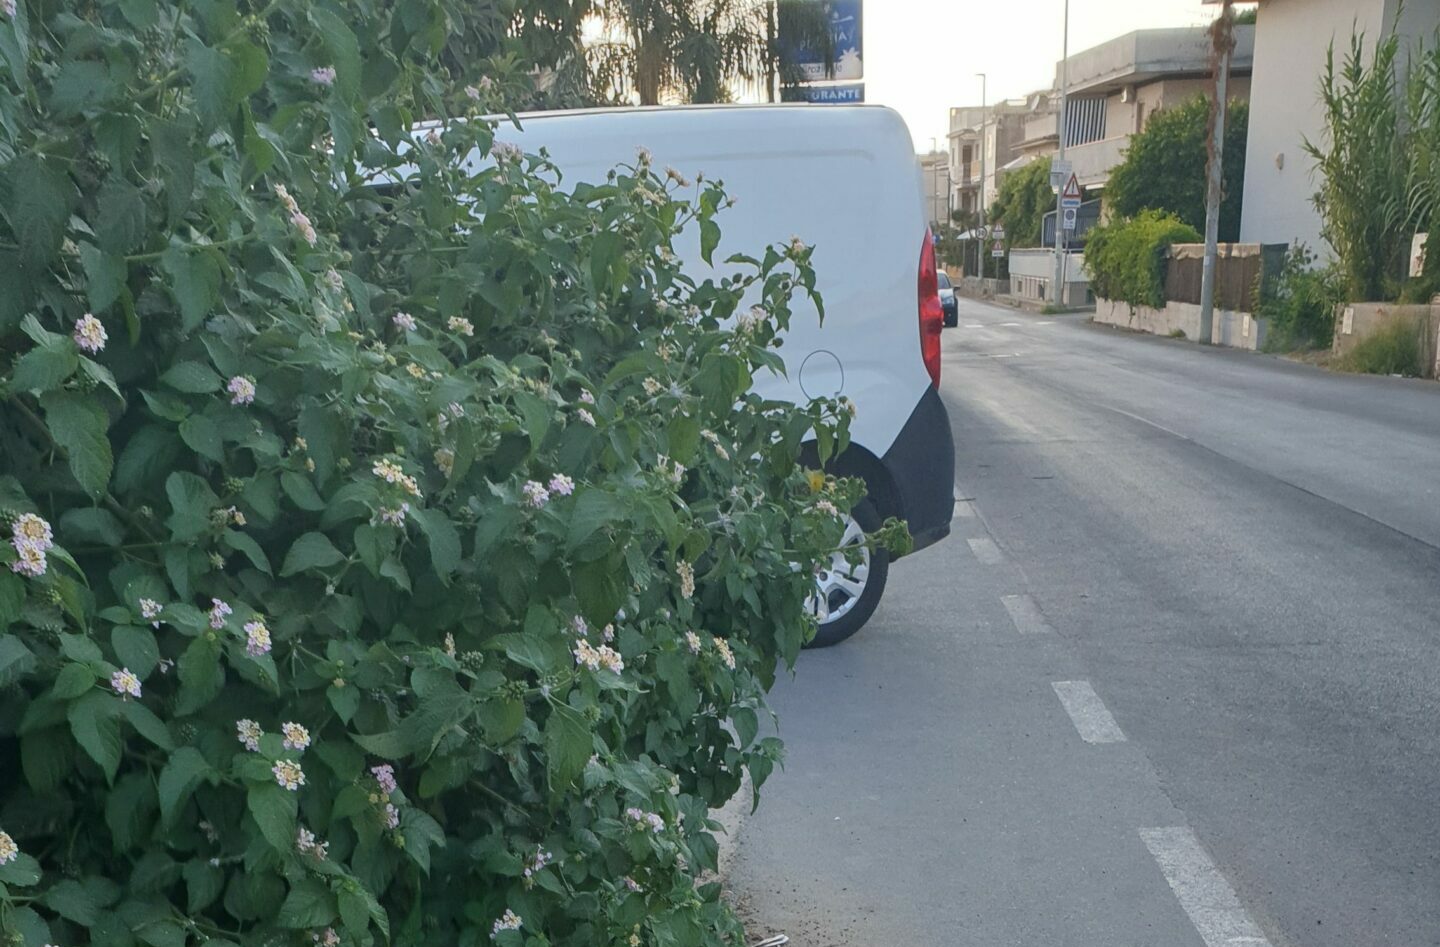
1292,38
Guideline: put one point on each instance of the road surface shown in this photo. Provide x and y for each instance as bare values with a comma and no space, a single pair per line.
1174,680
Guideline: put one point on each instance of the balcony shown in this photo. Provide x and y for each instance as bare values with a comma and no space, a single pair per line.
1094,161
1040,127
965,175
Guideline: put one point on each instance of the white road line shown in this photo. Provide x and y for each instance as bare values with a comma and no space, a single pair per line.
974,325
963,510
1044,323
1087,711
1025,614
986,551
1202,890
1010,325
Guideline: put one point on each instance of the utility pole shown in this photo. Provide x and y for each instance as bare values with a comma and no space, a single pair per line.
1057,290
1222,34
980,227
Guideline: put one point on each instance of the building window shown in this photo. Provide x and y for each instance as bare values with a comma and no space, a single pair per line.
1084,121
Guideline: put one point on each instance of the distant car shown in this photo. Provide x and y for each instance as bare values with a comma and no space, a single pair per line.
948,305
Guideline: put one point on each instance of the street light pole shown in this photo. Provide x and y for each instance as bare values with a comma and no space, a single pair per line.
984,122
1057,291
1223,36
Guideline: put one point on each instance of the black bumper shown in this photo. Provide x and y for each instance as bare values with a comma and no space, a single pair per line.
921,463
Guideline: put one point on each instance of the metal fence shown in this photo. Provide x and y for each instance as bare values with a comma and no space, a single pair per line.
1242,270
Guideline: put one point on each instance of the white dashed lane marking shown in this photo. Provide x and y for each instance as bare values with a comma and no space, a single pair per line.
1088,712
1025,614
1202,890
986,551
974,325
963,510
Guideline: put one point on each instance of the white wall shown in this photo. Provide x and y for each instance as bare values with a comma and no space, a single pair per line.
1291,41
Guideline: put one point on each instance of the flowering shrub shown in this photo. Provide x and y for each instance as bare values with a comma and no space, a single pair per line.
393,552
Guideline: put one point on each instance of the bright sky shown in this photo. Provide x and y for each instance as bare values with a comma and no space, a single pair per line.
921,56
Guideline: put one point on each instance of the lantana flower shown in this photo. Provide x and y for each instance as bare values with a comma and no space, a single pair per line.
288,774
89,334
125,683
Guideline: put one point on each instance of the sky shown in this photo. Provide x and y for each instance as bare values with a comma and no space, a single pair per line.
921,56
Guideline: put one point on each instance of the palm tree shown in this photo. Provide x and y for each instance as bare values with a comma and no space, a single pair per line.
699,50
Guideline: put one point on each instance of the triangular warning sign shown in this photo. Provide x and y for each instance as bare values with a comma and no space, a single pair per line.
1072,188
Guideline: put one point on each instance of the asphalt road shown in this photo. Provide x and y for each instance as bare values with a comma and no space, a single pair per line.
1173,680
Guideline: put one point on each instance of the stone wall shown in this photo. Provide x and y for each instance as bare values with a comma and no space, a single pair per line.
1237,330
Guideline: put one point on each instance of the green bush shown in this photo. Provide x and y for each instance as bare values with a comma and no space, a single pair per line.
1299,308
1025,198
1393,349
1127,258
383,564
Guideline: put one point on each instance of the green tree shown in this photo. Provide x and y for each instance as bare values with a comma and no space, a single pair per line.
1024,199
1127,257
1164,167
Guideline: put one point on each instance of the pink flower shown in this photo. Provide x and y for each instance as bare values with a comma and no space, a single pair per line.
125,683
385,775
404,320
323,75
392,816
296,736
242,390
32,561
562,485
586,417
150,610
257,638
536,495
218,611
89,334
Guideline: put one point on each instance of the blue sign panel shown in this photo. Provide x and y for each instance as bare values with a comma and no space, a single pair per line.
849,94
847,27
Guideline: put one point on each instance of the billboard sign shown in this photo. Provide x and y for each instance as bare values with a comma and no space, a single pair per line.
850,93
846,26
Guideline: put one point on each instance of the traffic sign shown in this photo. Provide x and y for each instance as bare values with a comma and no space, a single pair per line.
999,231
997,249
1067,220
1059,174
982,232
1070,196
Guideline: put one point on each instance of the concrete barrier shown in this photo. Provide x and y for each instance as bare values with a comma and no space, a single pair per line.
1238,330
1355,322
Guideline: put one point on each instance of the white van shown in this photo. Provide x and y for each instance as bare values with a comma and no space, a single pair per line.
846,181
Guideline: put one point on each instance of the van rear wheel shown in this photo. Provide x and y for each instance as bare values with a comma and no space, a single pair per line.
846,592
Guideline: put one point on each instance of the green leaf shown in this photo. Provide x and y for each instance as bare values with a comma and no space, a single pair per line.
344,700
78,425
301,491
142,14
80,649
130,808
273,809
536,416
325,437
311,551
344,50
105,276
184,771
191,501
121,223
40,199
203,884
170,144
47,756
444,541
147,724
45,368
195,282
135,648
568,746
309,904
16,660
95,724
201,675
709,240
81,85
73,681
594,510
23,872
354,913
75,902
213,78
191,378
12,599
202,436
243,543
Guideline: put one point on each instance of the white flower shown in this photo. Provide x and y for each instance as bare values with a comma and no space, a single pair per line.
562,485
726,655
257,638
286,200
644,155
89,334
630,883
677,177
486,83
586,396
460,325
323,75
686,574
504,151
288,774
9,851
125,683
535,862
392,816
652,387
608,633
218,611
31,530
578,626
395,516
535,494
472,93
404,320
304,839
296,736
445,460
242,389
692,641
7,7
334,280
509,921
248,732
586,417
825,506
449,645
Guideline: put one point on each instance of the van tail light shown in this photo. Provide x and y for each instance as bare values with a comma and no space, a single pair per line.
932,315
